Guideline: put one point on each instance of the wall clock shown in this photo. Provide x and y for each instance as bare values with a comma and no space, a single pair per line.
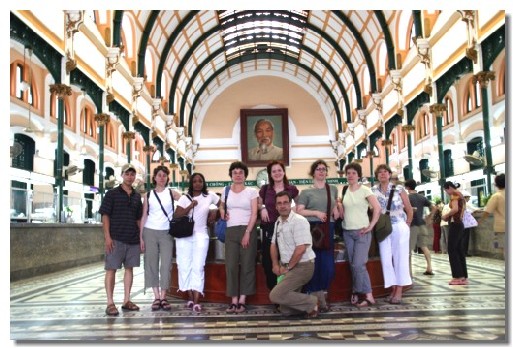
262,178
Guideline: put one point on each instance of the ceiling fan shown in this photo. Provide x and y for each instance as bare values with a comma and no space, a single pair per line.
430,173
111,182
475,159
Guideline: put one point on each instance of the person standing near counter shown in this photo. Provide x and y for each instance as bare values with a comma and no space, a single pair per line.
240,211
156,242
191,252
278,182
121,211
312,204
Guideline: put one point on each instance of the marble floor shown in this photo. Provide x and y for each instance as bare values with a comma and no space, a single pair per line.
70,306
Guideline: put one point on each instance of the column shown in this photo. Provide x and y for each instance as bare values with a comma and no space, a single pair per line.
101,119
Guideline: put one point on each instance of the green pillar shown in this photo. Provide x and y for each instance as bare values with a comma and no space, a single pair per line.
409,129
101,119
438,110
148,150
483,78
61,90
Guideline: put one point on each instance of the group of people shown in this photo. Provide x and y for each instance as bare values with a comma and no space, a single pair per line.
298,262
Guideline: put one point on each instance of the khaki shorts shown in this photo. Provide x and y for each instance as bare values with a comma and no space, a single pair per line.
127,255
420,237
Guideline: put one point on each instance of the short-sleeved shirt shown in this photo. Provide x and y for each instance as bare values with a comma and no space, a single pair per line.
418,201
355,208
157,220
270,199
239,206
317,199
497,206
124,212
201,210
397,208
291,232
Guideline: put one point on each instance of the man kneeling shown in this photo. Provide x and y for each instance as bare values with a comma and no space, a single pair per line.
292,241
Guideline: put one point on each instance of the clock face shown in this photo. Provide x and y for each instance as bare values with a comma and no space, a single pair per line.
262,178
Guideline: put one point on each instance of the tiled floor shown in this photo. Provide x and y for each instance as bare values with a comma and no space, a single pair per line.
70,305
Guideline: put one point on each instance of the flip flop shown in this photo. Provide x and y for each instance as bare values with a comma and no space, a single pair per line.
165,305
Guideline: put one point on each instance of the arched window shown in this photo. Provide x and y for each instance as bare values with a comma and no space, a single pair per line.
501,80
25,159
109,136
54,109
87,123
449,113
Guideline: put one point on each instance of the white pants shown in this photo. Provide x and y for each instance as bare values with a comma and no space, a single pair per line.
394,252
191,253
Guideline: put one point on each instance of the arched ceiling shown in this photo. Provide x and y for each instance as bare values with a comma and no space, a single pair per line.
334,51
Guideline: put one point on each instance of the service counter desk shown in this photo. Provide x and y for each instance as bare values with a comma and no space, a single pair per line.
340,290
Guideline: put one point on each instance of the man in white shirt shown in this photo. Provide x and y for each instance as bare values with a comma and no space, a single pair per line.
292,241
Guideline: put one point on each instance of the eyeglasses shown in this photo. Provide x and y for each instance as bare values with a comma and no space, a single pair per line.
321,169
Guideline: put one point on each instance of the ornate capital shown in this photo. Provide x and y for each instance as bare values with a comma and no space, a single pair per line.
128,135
184,172
61,90
173,166
71,63
102,119
437,109
148,149
135,119
358,160
483,78
408,128
154,134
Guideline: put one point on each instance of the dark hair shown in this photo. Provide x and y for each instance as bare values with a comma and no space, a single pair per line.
355,166
381,167
450,184
284,193
204,190
315,165
269,169
157,169
500,181
411,184
238,165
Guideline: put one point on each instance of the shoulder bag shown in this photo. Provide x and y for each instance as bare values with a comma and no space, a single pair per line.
383,227
179,227
221,225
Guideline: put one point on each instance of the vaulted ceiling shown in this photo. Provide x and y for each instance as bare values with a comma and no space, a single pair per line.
335,52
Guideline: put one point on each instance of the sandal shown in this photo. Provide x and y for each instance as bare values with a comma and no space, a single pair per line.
241,308
155,306
196,308
165,305
232,308
313,314
354,298
130,306
364,302
189,304
111,310
395,300
430,273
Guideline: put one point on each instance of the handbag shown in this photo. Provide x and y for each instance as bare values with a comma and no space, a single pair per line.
179,227
221,225
383,227
468,220
321,231
183,226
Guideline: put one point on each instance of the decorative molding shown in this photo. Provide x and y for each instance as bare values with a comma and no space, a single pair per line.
102,119
408,128
128,135
61,90
483,78
437,109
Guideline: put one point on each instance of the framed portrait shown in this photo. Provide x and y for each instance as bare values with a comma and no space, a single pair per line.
264,136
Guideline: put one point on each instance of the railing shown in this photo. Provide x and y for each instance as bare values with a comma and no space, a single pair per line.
40,207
